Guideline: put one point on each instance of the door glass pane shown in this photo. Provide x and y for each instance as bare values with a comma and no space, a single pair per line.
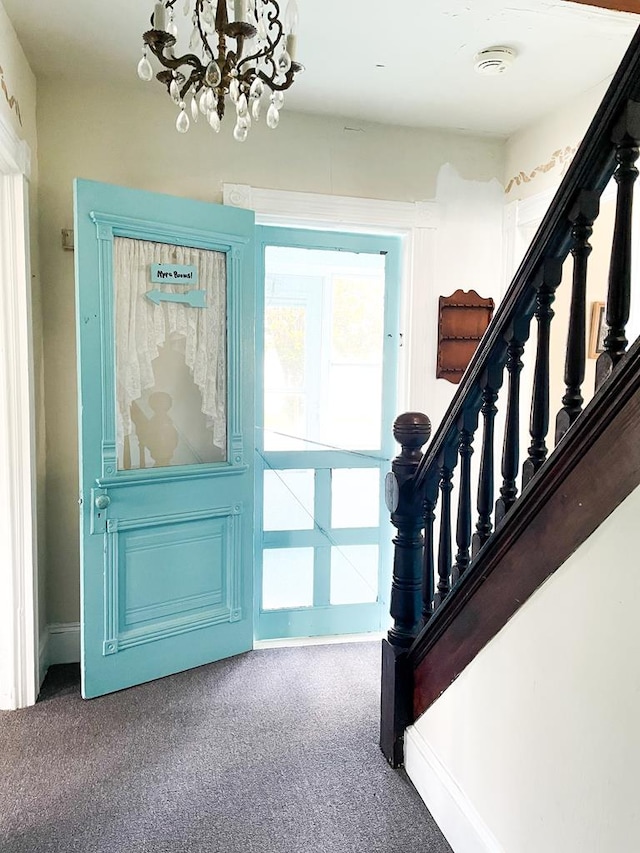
171,366
287,578
324,316
354,574
288,500
355,497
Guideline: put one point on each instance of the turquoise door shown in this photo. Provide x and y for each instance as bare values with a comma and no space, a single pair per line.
328,347
165,326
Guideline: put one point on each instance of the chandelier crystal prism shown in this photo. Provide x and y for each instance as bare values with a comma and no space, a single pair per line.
239,50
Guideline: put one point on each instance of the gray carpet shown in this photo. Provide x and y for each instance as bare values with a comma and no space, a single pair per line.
270,752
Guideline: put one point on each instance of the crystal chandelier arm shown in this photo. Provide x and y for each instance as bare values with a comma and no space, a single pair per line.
288,80
172,62
158,41
272,43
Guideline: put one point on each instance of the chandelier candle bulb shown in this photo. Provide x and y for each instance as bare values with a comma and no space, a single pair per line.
291,18
292,40
240,7
159,17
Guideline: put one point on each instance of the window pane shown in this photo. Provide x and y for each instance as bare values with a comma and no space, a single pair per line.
284,372
288,500
171,365
287,578
354,574
324,316
355,497
355,375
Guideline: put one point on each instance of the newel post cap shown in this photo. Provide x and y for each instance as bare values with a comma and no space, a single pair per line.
411,430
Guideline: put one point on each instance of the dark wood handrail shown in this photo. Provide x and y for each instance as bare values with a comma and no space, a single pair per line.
591,169
599,416
439,602
602,448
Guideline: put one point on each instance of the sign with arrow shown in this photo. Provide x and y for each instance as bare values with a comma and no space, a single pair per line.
194,298
174,274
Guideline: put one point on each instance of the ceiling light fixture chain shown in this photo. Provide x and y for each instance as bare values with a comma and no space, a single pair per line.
220,72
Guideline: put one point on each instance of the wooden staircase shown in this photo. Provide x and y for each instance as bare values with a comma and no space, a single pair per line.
447,604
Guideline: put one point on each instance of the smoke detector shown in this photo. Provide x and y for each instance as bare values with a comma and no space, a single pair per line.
494,60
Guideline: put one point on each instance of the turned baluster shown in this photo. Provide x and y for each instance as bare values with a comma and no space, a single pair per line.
511,445
405,501
491,382
550,278
582,216
428,563
446,464
619,295
467,425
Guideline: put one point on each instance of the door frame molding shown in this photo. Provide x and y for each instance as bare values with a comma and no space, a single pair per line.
416,222
19,646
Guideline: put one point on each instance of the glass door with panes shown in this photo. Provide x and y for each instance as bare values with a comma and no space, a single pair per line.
328,324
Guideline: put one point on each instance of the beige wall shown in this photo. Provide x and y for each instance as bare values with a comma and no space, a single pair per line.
128,137
540,732
20,84
537,156
18,108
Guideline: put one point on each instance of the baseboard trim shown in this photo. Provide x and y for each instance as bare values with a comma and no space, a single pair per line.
64,643
452,810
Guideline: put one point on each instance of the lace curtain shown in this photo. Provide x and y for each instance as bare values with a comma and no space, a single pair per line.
143,327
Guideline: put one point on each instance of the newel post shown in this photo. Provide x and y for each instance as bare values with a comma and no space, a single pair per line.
411,430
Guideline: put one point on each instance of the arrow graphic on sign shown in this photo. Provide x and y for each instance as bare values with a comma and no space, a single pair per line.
195,298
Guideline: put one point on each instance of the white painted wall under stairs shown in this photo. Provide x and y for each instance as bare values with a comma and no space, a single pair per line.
536,747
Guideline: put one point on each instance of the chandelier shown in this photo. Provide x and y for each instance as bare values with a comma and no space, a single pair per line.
239,49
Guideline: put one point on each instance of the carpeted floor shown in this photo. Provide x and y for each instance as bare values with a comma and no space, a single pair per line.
271,752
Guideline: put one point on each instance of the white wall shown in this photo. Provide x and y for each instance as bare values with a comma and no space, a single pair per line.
468,256
127,136
539,737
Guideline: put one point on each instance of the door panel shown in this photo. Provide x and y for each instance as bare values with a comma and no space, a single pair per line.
329,316
165,301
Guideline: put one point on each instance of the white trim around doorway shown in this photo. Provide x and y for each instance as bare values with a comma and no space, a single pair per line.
19,648
415,222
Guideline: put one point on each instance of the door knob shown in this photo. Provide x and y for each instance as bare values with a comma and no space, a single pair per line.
102,501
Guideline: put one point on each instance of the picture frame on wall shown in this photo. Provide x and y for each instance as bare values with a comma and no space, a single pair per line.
598,329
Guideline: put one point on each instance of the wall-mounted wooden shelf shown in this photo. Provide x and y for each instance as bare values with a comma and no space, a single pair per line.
462,320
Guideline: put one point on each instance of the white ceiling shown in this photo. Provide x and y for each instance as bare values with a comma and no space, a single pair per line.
426,48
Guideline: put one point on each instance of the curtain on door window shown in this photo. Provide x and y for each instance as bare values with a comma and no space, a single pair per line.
143,327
